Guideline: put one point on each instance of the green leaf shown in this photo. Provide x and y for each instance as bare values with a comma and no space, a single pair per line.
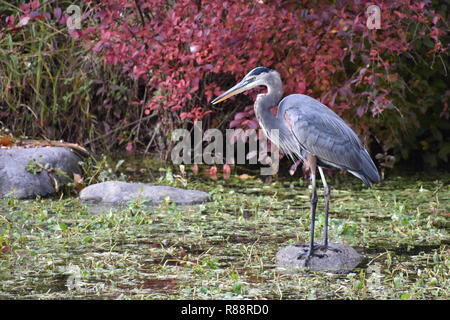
405,296
444,151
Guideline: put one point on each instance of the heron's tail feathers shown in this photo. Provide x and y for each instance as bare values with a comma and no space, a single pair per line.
368,172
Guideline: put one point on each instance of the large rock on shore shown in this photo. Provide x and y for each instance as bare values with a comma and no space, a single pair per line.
16,181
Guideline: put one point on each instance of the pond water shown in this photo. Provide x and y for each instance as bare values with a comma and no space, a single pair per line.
58,249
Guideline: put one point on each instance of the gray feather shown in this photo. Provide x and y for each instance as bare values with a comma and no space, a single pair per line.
321,132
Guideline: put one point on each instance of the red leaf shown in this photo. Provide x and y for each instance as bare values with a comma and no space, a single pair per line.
226,171
57,13
24,21
130,147
234,124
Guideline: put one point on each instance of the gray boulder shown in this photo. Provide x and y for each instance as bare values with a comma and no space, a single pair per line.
337,258
16,181
119,192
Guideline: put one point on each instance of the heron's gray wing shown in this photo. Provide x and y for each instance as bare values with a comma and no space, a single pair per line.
325,135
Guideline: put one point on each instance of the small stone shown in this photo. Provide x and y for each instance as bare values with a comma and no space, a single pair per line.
119,192
336,258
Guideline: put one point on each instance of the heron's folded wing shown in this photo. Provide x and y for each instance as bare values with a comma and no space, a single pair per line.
321,132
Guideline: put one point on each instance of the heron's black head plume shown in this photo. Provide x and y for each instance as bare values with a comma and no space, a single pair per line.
257,71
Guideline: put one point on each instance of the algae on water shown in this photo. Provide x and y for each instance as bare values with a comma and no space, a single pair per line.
226,248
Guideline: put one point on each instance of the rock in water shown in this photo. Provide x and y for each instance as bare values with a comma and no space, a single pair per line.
118,192
337,258
16,181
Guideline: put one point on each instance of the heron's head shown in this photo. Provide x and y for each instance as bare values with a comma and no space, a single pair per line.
256,77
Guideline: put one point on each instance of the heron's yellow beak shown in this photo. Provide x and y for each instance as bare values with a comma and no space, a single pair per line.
240,87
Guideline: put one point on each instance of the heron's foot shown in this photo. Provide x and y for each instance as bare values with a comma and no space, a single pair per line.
326,247
316,251
319,250
332,249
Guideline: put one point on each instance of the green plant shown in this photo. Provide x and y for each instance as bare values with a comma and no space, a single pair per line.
53,86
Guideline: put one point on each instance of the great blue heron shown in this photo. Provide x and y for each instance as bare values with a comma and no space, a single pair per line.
310,131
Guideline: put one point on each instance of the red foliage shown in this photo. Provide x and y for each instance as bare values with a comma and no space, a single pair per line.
212,172
176,47
226,171
183,50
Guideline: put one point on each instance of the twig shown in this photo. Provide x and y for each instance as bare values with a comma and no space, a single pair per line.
120,128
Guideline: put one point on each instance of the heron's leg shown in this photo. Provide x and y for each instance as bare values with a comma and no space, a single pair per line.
326,191
312,162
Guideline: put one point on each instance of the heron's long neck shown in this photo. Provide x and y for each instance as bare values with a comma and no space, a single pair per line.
264,102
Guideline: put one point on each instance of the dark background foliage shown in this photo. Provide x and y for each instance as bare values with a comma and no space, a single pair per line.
137,70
